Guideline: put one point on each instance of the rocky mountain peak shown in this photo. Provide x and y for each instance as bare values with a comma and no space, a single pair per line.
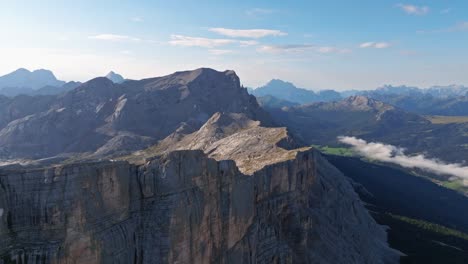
102,116
23,78
115,77
359,102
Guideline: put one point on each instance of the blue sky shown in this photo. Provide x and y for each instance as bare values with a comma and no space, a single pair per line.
314,44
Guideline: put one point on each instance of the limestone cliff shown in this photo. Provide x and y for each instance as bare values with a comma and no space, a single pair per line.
199,174
184,207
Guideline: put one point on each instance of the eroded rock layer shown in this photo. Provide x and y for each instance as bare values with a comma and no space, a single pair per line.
183,207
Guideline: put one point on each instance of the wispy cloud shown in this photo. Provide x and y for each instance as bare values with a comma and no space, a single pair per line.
461,26
375,45
220,51
137,19
255,12
413,9
114,37
247,43
332,50
297,48
396,155
248,33
285,48
186,41
446,11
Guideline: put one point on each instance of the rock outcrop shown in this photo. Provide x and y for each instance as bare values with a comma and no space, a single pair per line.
183,207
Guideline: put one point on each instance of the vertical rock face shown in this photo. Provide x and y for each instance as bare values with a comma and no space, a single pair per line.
184,207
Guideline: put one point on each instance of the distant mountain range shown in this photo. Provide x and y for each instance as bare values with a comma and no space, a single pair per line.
287,91
436,100
40,82
360,116
34,80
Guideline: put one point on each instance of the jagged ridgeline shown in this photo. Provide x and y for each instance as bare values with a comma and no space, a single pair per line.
185,168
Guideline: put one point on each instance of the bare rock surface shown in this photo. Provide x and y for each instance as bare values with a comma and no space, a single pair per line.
106,117
184,207
208,180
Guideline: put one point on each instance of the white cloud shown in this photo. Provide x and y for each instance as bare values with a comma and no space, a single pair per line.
255,12
375,45
247,43
247,33
332,50
220,51
137,19
300,48
461,26
113,37
413,9
285,48
396,155
186,41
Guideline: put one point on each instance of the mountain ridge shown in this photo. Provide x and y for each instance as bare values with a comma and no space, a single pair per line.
207,171
137,112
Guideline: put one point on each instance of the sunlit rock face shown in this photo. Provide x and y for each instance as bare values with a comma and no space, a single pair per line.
101,118
183,207
188,168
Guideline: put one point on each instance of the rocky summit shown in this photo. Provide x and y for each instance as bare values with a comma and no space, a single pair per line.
185,168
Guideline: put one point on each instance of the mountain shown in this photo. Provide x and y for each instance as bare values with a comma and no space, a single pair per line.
436,100
53,90
426,104
296,210
39,82
23,78
448,91
269,101
12,109
373,120
114,77
287,91
389,89
108,118
196,164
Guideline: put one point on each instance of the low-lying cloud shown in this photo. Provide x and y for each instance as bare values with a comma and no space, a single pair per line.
396,155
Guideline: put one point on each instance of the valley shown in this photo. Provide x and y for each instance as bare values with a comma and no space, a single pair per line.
427,222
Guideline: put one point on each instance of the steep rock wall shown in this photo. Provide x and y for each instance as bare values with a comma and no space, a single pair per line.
183,207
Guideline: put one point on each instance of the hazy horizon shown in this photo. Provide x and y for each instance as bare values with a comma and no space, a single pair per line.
314,44
253,87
